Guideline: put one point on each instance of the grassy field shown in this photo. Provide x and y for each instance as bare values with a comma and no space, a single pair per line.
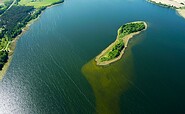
38,3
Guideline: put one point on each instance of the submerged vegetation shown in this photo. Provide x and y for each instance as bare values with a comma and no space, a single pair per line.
109,83
14,16
115,49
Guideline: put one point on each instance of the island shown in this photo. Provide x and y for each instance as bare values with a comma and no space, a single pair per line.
178,5
116,50
15,18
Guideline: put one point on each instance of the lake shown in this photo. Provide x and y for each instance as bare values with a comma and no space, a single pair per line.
53,69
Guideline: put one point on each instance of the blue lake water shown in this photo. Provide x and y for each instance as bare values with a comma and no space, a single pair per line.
47,76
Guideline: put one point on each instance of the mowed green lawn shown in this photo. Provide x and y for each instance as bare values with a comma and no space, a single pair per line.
37,3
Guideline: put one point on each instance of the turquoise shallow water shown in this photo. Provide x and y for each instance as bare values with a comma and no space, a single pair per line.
45,73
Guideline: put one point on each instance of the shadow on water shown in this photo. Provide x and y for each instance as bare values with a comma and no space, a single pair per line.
110,82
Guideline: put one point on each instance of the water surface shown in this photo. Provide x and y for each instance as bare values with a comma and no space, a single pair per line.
46,74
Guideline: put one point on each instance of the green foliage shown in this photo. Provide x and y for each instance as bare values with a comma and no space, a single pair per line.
115,52
3,58
3,43
14,19
4,7
11,24
122,31
130,28
8,3
38,12
2,10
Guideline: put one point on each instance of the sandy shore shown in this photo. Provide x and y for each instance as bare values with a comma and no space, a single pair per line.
179,5
125,40
181,12
172,3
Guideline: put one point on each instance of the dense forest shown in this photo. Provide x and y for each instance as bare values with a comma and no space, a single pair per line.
3,58
13,20
115,52
11,23
130,28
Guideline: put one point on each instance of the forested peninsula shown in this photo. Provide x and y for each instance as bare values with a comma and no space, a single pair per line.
14,16
115,51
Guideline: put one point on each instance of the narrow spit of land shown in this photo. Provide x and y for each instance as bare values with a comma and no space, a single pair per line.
115,51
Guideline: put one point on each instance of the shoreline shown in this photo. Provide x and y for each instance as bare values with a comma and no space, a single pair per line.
179,7
181,12
125,39
13,43
12,47
161,4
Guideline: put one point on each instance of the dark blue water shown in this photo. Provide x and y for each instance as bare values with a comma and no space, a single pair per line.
45,74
